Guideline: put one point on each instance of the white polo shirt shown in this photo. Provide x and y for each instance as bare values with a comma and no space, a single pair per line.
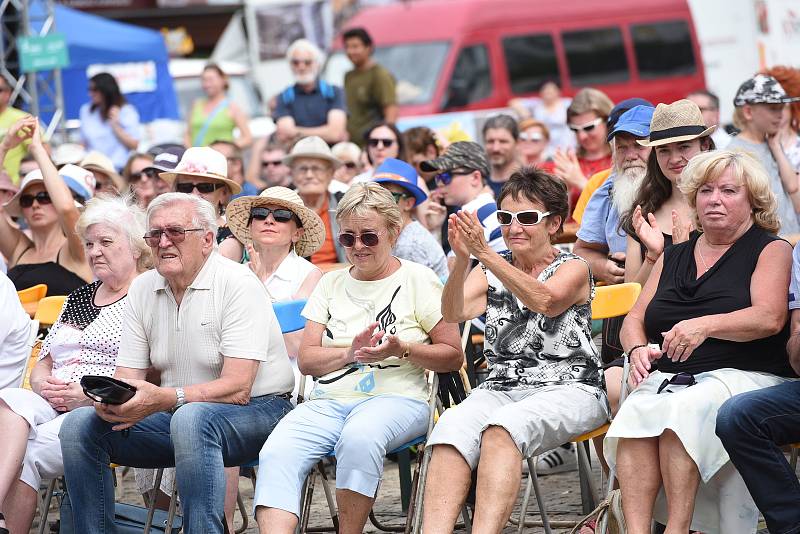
225,312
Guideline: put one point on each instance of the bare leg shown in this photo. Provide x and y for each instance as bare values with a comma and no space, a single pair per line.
20,507
275,521
639,475
15,441
446,487
681,480
353,509
231,492
499,476
613,387
598,448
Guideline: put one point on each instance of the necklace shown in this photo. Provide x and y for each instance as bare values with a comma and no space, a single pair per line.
702,259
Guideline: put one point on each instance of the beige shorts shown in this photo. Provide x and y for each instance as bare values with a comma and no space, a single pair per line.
537,420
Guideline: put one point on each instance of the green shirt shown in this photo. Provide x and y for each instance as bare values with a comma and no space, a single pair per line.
368,92
219,129
14,156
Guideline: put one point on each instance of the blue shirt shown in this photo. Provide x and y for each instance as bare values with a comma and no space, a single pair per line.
248,190
308,109
98,135
794,285
600,222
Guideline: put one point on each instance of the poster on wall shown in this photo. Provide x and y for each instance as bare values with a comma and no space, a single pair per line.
133,77
280,24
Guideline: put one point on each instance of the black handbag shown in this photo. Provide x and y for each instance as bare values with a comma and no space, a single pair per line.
128,519
106,389
611,348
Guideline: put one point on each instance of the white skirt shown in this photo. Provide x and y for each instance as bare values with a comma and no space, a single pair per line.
723,503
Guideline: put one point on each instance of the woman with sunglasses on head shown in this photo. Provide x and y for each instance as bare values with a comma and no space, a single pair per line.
52,253
214,117
372,330
83,341
545,384
109,124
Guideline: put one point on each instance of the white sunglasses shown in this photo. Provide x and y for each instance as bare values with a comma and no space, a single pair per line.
525,218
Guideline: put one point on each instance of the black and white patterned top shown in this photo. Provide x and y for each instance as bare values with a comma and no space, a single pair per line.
526,349
85,338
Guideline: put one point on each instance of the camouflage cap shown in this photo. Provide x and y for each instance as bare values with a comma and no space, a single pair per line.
460,155
762,89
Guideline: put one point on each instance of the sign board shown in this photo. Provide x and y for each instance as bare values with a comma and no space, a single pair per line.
132,77
46,52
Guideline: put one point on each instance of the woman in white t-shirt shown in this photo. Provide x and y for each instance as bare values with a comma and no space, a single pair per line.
372,330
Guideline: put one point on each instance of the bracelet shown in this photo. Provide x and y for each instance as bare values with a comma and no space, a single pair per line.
650,260
630,351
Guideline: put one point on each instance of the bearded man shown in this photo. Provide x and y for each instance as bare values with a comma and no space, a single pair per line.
311,106
601,242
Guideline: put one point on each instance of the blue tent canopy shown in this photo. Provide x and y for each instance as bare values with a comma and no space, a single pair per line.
92,40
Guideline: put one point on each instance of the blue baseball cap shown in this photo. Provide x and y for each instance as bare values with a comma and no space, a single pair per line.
394,171
635,121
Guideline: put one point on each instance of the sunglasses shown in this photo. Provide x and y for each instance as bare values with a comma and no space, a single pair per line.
350,164
42,197
375,142
399,196
150,174
202,188
281,215
275,163
523,136
175,234
368,239
525,218
306,62
444,178
588,127
680,379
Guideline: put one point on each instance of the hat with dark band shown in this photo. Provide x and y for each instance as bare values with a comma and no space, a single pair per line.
672,123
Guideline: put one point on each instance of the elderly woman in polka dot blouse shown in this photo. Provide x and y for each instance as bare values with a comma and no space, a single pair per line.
83,341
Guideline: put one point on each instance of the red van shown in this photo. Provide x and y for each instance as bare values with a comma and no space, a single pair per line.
463,55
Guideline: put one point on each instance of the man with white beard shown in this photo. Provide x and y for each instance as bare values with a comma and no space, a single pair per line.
601,242
311,106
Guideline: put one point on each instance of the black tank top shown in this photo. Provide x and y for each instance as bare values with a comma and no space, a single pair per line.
59,279
722,289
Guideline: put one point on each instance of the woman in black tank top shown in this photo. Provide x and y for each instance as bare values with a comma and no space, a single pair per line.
717,305
54,254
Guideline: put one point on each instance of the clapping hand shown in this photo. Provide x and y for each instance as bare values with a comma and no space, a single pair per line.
470,232
648,232
366,338
681,228
568,168
390,346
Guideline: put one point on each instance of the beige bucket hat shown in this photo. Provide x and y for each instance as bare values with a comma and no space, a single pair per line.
204,162
312,147
238,215
96,161
672,123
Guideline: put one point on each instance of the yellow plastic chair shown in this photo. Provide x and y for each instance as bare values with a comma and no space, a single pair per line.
48,310
31,296
609,301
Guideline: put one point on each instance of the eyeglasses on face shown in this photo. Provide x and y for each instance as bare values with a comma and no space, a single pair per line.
588,127
375,142
444,178
148,174
281,215
202,188
532,136
399,196
175,234
42,197
350,164
525,217
368,239
305,62
302,170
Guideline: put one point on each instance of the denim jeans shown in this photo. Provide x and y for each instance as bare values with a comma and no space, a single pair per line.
752,427
198,440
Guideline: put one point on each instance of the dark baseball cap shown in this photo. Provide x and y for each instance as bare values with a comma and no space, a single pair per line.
167,160
460,155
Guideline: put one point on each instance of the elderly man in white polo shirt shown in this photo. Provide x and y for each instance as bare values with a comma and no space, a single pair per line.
207,325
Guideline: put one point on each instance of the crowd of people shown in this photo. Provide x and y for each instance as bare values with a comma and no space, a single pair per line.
171,260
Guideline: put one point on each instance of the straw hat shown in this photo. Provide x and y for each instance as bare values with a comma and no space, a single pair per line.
204,162
676,122
312,147
238,214
98,162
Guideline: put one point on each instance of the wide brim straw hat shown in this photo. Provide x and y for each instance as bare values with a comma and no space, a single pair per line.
312,147
203,162
238,215
672,123
96,161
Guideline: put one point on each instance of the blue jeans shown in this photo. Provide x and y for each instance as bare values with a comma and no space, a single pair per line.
752,427
198,440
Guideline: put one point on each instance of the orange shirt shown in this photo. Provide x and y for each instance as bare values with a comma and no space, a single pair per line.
594,182
326,254
589,169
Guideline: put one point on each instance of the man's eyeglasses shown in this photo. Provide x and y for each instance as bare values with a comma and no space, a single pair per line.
588,127
203,188
175,234
281,215
42,197
525,218
313,169
368,239
444,178
375,142
273,163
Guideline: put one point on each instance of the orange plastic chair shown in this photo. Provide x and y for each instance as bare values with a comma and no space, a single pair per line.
48,310
31,296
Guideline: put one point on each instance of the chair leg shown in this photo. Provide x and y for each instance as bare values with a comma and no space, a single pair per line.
305,508
151,507
173,505
404,471
45,505
467,519
416,524
523,510
539,499
329,497
585,469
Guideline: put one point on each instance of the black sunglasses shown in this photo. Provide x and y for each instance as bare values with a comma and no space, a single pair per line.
274,163
680,379
444,178
368,239
399,196
203,187
281,215
175,234
374,142
42,197
152,174
350,164
525,218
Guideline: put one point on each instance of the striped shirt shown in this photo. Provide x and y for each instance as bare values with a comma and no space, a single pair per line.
485,208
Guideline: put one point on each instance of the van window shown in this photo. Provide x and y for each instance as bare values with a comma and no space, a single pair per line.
471,80
596,56
530,60
663,49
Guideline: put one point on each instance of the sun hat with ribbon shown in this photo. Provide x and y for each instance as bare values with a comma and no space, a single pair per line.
98,162
203,162
80,181
672,123
238,215
394,171
312,147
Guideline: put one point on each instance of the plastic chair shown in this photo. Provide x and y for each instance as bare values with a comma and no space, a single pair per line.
48,310
31,296
609,301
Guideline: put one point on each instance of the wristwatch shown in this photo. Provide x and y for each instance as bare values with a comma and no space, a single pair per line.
407,352
181,398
